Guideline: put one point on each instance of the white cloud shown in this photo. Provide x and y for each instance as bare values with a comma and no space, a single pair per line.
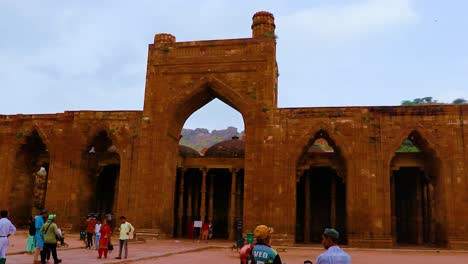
337,22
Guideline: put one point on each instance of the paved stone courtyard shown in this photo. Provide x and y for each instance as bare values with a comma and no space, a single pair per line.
188,251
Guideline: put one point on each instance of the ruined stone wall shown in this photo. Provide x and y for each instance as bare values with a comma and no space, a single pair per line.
67,138
368,138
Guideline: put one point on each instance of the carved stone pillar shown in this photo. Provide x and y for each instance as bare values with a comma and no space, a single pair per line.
238,200
419,218
333,202
431,201
393,205
189,202
306,208
232,206
210,203
203,195
181,202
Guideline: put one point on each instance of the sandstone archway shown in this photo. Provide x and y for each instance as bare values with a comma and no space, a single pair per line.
102,169
28,192
321,190
416,196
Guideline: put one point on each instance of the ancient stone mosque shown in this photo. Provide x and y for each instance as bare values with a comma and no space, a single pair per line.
297,169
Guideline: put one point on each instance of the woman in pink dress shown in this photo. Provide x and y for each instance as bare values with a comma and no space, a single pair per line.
105,239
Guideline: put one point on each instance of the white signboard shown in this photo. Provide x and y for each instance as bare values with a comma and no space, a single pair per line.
197,224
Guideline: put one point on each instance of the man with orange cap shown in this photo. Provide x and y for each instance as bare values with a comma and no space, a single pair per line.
260,252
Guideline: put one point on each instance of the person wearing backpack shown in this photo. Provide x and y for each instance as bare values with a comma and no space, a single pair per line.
50,234
260,252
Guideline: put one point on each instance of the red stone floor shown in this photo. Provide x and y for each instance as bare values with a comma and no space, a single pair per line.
188,251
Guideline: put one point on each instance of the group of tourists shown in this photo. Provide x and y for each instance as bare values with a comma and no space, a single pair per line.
261,252
98,235
46,235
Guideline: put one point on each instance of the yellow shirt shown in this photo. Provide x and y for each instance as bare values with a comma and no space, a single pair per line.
125,229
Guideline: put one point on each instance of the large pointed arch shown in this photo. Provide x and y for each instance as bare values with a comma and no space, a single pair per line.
206,89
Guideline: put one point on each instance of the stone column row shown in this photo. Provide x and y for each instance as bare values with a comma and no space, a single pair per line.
233,202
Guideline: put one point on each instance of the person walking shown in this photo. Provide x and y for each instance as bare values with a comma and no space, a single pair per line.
50,233
334,254
104,240
261,251
38,223
90,226
125,230
6,229
31,242
97,233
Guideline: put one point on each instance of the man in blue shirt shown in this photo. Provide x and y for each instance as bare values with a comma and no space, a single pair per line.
334,254
39,222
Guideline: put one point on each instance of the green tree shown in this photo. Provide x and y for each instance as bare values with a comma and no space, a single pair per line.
460,101
417,101
408,146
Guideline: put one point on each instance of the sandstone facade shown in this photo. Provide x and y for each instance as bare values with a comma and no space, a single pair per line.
275,181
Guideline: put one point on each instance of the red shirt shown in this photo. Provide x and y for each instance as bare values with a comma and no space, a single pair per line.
90,225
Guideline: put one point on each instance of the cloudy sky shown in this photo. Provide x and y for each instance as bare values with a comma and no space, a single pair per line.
91,55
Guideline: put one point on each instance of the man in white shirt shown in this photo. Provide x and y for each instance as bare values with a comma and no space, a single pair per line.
97,233
125,230
334,254
6,229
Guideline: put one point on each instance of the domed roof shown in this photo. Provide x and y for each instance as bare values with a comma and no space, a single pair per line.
185,151
229,148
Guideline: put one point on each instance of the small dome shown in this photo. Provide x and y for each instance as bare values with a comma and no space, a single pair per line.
229,148
185,151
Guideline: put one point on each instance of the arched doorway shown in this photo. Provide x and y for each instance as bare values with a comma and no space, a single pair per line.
417,216
321,190
31,169
210,171
103,169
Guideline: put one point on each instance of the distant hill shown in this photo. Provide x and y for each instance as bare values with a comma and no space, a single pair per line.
201,138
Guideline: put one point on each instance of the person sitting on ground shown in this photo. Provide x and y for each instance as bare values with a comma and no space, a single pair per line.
334,254
261,251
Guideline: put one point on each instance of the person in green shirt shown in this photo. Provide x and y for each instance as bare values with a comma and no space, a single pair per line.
49,231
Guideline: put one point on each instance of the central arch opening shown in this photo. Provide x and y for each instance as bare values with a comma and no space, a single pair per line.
321,190
210,175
